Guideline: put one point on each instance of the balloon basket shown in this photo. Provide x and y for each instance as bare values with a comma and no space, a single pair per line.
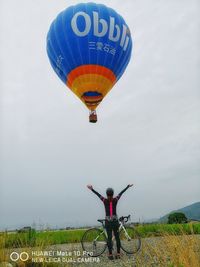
93,117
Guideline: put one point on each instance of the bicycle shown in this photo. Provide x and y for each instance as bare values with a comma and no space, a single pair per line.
94,240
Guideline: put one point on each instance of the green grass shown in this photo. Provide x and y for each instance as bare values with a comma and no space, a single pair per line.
61,237
74,236
177,246
174,229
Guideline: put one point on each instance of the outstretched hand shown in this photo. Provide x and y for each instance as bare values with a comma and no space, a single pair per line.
89,186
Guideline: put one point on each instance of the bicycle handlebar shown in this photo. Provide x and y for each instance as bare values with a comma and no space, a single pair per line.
125,218
121,219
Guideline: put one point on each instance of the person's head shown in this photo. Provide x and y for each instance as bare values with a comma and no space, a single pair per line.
109,193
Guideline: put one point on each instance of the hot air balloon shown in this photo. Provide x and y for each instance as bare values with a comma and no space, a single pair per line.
89,47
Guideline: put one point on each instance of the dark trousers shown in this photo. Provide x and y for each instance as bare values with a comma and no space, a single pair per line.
113,226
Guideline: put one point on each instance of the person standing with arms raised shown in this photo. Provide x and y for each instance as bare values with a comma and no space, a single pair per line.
111,219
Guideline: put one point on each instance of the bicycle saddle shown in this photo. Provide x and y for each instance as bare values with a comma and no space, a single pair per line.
101,220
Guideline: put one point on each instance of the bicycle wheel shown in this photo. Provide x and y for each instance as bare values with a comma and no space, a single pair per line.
130,240
94,242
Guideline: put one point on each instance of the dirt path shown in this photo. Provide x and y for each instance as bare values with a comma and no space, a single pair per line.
155,252
150,254
101,261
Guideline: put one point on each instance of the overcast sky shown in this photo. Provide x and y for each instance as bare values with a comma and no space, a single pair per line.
148,129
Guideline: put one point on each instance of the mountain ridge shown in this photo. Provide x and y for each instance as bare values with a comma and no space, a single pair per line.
191,211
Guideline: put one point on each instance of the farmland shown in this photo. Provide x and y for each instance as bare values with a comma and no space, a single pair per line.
175,245
36,238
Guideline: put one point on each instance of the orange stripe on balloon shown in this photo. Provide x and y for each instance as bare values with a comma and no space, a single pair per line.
90,69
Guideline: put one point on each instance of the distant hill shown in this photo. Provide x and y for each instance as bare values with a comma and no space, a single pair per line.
192,212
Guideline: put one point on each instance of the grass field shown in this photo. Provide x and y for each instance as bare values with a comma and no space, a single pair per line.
36,238
162,245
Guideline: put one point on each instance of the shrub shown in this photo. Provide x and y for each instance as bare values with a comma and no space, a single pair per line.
177,217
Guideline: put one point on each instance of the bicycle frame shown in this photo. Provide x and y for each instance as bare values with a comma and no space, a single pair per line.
126,233
103,232
121,227
124,229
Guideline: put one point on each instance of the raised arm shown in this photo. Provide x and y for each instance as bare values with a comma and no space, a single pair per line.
96,193
120,194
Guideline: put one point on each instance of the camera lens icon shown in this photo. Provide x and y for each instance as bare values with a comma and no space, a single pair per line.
15,256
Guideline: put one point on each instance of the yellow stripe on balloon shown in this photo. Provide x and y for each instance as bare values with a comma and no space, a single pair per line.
91,82
91,78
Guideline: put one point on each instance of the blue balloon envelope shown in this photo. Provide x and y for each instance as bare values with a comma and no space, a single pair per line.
89,47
